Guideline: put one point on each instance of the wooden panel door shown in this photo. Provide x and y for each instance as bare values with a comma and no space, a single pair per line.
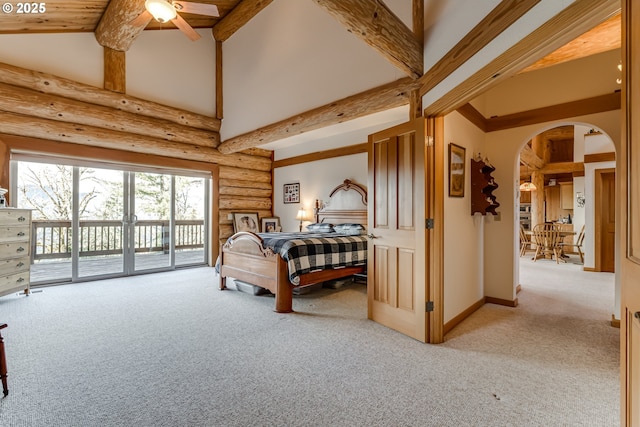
397,289
605,227
629,183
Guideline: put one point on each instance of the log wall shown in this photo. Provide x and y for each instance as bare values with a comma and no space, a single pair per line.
243,190
37,109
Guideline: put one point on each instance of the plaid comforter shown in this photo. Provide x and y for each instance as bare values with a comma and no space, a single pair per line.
307,252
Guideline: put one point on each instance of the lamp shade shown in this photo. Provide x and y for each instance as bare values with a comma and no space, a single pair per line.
161,10
301,215
527,186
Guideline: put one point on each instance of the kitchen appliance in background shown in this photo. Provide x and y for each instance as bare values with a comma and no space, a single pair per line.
525,216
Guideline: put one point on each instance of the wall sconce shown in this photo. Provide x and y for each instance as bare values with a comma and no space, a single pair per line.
301,216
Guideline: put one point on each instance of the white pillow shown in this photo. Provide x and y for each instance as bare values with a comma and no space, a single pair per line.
349,229
321,227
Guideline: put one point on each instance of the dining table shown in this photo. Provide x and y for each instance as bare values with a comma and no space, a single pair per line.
548,249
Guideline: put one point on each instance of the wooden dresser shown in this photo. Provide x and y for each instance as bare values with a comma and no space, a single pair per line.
15,248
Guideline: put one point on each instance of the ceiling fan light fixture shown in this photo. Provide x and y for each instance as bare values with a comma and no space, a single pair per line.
161,10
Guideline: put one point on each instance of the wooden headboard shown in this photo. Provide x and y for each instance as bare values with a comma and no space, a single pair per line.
347,204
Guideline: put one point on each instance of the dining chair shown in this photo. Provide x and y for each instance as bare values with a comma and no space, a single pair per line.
578,244
526,244
548,242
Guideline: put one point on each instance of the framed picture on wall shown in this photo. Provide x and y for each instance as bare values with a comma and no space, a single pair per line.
292,193
456,170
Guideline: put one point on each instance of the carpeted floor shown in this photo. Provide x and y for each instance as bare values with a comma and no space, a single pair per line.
171,350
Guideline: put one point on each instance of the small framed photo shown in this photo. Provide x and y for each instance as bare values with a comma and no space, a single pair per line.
292,193
456,170
271,225
246,221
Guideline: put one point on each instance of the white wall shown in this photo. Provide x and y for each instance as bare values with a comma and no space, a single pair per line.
463,245
75,56
317,179
162,66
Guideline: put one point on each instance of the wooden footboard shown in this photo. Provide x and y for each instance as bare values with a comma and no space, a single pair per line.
244,258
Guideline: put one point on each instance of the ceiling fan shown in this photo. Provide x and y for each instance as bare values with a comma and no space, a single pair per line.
167,10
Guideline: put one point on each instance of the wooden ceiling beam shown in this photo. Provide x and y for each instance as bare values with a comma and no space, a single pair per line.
553,169
382,98
374,23
117,29
531,159
498,20
115,70
577,18
239,15
582,107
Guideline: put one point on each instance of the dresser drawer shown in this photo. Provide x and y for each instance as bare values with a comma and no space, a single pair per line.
14,234
13,250
14,265
14,280
11,217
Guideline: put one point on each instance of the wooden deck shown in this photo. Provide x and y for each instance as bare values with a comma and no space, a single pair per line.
54,271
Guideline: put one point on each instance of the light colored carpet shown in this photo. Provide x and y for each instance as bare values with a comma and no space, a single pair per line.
171,350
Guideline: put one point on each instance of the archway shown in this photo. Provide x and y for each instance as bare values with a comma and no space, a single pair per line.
567,162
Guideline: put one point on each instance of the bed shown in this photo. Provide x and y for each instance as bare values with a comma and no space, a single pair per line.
281,262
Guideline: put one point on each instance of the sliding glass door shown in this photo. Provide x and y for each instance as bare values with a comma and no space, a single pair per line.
94,222
99,230
151,225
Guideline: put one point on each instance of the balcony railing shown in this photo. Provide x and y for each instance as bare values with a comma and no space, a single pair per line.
52,239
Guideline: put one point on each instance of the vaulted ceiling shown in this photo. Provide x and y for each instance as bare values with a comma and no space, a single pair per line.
115,27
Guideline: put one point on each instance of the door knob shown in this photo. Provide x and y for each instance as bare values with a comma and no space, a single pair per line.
371,236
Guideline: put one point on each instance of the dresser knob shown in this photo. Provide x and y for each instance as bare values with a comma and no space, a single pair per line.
22,219
20,234
20,264
20,280
20,249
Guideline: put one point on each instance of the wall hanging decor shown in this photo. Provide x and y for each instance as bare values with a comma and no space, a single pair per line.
292,193
456,170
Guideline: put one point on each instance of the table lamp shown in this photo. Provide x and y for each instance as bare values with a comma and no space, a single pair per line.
300,216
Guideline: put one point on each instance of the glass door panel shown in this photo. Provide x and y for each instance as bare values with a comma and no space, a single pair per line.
151,225
100,226
47,189
190,224
95,222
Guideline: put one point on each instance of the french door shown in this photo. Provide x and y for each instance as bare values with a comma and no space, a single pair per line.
101,221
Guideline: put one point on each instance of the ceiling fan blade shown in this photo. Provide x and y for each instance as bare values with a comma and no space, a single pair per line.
142,20
197,8
185,28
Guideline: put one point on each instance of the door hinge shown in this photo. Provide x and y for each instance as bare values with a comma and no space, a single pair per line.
429,223
429,307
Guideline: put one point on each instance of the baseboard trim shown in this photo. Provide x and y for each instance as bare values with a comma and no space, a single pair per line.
588,269
518,289
460,317
499,301
615,322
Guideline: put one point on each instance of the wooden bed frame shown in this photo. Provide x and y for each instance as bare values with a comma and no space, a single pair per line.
243,257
